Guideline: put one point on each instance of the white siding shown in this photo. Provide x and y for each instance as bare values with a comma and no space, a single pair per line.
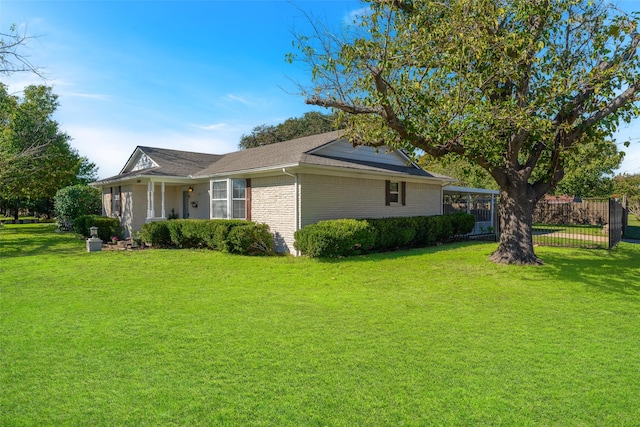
200,195
273,203
138,206
343,149
326,197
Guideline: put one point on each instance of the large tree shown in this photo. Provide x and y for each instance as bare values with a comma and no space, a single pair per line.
35,156
515,87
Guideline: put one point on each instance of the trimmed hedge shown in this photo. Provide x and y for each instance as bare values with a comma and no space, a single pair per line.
345,237
217,234
333,238
107,227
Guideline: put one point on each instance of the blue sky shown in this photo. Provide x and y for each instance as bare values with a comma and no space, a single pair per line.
189,75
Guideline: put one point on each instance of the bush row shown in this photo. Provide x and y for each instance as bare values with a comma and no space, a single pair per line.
345,237
107,227
234,236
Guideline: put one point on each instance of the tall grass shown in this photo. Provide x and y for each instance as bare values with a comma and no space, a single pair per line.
438,336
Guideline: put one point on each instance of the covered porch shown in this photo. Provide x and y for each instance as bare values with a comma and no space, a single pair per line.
173,200
479,202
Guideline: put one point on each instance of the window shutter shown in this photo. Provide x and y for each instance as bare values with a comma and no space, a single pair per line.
120,200
403,194
387,193
248,199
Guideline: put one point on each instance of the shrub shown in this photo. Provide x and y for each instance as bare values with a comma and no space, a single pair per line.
342,237
74,201
107,227
250,239
346,237
393,233
156,234
216,234
462,223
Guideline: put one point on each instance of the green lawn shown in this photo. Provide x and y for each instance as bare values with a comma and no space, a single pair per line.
633,228
438,336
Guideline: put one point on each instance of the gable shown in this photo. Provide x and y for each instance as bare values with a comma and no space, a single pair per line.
342,149
143,162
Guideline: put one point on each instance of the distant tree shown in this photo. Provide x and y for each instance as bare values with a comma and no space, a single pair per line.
312,123
467,173
35,156
589,171
629,186
514,86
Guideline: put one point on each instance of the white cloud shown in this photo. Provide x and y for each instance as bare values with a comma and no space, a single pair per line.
356,15
214,126
238,98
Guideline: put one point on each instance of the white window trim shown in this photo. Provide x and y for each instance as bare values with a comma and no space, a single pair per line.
229,199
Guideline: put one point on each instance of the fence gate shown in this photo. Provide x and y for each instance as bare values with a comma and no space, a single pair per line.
616,222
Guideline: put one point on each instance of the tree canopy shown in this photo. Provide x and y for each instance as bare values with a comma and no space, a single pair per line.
311,123
515,87
35,156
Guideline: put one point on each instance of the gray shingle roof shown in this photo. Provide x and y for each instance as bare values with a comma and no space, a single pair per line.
272,155
288,153
178,163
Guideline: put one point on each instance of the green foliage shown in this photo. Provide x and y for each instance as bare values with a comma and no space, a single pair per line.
346,237
335,238
629,186
217,234
461,223
467,173
312,123
392,233
250,239
77,200
36,159
107,227
589,169
156,234
517,88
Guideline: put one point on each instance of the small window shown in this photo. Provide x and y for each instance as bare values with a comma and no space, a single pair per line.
239,198
115,201
219,199
394,192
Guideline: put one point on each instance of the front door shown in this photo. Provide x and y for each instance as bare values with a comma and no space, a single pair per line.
185,204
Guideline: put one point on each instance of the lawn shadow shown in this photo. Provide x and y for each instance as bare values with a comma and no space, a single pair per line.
403,253
20,240
611,271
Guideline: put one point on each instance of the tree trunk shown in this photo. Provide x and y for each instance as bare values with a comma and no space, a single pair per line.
516,241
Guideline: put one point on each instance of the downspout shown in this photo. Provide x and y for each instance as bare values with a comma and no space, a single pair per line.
297,197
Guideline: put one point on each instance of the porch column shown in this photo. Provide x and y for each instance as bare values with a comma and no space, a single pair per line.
150,200
163,211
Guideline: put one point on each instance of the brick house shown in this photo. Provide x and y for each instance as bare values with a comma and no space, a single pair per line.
286,185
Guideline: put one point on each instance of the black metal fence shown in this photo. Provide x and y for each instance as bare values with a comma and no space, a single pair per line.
592,223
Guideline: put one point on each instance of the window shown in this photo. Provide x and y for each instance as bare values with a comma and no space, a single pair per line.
239,198
395,192
229,199
219,199
115,200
